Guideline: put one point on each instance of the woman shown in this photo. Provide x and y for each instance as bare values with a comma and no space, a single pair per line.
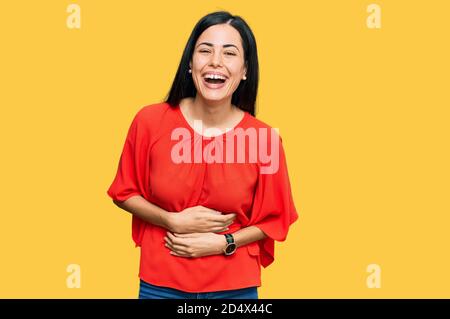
205,211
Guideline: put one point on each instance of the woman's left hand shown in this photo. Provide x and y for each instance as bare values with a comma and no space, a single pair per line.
195,244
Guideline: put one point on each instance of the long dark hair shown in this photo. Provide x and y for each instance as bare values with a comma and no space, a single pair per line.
245,95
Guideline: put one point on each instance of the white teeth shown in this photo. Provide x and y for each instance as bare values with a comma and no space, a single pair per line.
215,76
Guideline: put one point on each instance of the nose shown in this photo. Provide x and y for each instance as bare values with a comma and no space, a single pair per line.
216,59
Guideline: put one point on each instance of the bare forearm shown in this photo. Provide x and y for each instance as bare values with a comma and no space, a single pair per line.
248,235
142,208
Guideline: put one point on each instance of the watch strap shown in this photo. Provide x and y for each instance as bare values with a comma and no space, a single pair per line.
230,238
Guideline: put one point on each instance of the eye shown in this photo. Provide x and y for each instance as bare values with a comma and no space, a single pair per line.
230,53
203,51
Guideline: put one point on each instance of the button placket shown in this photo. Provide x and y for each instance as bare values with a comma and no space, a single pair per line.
204,172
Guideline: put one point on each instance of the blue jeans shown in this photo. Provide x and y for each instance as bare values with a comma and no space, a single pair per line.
149,291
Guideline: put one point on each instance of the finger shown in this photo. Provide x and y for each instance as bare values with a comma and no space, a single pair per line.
223,224
229,223
171,237
221,218
167,241
179,255
177,248
175,241
219,229
174,249
228,217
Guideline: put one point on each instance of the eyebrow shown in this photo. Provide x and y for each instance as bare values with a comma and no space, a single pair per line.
211,45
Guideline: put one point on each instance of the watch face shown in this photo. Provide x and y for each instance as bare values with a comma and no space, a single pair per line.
230,248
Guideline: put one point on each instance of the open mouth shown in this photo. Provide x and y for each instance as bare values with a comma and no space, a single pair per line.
214,81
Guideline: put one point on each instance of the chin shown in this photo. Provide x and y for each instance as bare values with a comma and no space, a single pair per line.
214,97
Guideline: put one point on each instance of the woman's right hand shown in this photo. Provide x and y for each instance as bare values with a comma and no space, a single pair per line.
199,219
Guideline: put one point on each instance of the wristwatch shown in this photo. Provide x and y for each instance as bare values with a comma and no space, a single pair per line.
231,245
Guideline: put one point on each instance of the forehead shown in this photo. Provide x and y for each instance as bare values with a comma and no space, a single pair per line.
220,34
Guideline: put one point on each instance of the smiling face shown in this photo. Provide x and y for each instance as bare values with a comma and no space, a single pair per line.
218,64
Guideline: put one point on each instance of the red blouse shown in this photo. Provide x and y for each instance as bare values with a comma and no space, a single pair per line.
147,168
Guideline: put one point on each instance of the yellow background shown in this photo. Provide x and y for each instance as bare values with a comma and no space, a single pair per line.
364,116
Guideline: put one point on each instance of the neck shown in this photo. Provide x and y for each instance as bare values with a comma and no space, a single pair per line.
211,113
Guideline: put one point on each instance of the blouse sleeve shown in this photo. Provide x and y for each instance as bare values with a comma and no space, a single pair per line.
273,209
132,171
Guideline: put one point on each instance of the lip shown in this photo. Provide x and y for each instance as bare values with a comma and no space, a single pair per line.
214,86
